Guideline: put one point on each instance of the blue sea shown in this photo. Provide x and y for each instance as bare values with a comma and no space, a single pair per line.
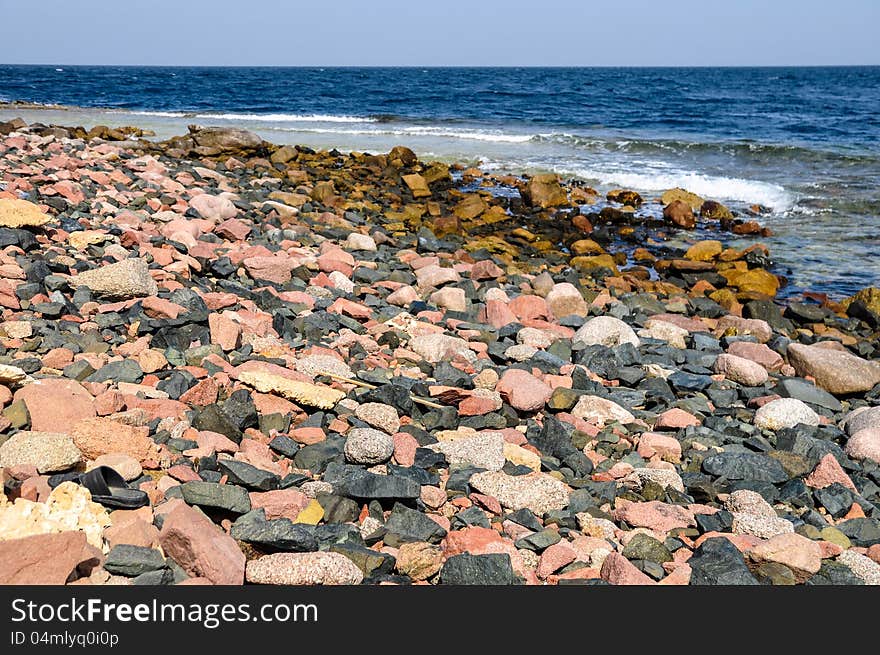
802,142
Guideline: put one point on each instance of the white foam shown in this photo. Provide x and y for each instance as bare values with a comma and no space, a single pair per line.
472,135
168,114
714,187
290,118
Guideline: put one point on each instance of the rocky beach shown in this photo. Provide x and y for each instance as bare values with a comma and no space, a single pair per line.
329,367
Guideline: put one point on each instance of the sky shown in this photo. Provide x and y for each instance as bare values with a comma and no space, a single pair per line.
451,33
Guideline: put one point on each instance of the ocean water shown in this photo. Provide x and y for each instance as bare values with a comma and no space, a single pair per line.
802,142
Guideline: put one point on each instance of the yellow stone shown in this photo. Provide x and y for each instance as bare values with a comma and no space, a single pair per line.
704,251
85,238
304,393
524,234
684,195
494,214
521,457
312,514
68,507
418,186
757,280
436,172
596,261
587,247
471,206
494,245
545,191
21,213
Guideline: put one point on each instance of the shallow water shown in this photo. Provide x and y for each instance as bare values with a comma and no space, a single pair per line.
804,142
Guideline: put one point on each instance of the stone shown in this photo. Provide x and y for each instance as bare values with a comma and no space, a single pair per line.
246,475
300,392
862,418
225,332
16,213
279,534
200,548
663,446
704,251
654,515
523,391
564,299
490,569
211,495
741,370
435,348
864,445
127,466
680,214
801,555
827,472
539,492
358,241
405,524
485,451
129,278
103,436
674,335
863,567
718,562
605,331
643,546
368,446
49,452
745,466
379,415
45,559
68,507
784,413
835,371
226,139
601,410
618,570
692,199
543,190
419,560
417,185
55,402
752,515
12,375
132,561
213,208
757,352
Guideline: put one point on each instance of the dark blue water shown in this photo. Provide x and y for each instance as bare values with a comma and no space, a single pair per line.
804,142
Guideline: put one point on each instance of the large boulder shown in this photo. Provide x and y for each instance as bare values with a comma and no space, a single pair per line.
835,371
544,191
218,140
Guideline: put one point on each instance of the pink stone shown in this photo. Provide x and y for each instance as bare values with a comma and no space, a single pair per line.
202,393
864,444
498,313
213,208
564,299
523,390
480,541
135,532
273,269
618,570
403,297
827,472
55,402
101,436
233,229
654,515
405,446
652,443
801,555
281,503
528,307
200,547
216,442
675,419
485,269
741,370
156,307
451,298
46,559
554,558
757,352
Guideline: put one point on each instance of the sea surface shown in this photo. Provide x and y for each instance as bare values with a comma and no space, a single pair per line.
802,142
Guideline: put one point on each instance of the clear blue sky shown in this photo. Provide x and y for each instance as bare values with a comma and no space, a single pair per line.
451,33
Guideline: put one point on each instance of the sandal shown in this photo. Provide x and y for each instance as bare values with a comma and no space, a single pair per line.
106,486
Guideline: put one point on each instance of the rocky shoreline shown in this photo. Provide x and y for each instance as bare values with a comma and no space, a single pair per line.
346,368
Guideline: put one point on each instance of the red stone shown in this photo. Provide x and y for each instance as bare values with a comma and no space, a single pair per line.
200,547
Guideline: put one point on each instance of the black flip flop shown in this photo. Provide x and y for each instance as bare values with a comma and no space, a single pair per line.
106,486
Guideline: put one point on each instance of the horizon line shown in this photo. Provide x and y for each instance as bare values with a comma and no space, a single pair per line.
442,66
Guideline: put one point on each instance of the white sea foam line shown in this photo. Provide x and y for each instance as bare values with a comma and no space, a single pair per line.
416,132
725,188
269,118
